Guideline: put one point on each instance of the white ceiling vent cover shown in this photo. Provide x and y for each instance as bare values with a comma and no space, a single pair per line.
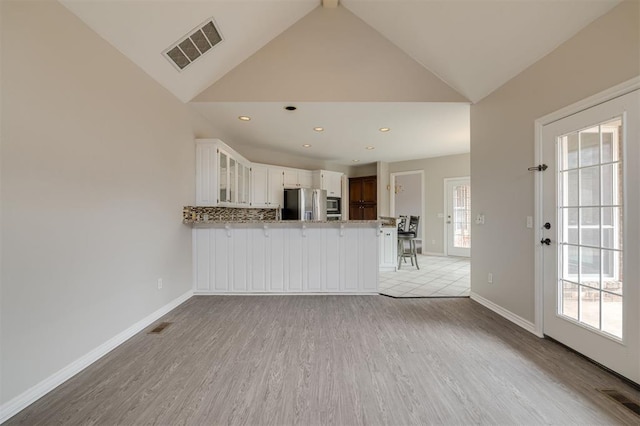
194,45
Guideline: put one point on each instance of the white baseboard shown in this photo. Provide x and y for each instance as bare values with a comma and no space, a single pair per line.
17,404
516,319
430,253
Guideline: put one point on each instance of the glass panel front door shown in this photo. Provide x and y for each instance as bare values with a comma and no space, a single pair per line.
462,216
458,223
590,287
590,246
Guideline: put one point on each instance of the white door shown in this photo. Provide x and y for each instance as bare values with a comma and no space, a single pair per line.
458,217
590,242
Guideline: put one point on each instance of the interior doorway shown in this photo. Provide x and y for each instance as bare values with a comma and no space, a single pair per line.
457,224
407,199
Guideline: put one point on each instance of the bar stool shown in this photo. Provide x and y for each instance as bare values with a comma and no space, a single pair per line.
410,236
402,223
402,227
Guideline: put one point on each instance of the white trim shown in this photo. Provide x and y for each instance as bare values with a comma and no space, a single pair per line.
599,98
17,404
538,261
423,195
517,320
431,253
604,96
194,260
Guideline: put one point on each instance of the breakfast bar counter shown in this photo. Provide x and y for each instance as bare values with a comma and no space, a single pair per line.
253,256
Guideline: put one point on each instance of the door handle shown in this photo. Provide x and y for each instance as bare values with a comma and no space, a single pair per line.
547,225
545,241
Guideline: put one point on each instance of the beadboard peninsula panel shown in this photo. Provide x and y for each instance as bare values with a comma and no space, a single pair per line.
286,259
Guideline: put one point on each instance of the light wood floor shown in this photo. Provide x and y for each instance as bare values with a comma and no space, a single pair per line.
343,360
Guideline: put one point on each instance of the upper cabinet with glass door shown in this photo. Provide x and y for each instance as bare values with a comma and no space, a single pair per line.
222,175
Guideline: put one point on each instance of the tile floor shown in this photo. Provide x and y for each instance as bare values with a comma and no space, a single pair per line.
438,276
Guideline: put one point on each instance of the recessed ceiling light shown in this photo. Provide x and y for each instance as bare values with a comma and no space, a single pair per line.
355,161
319,129
384,129
370,147
307,145
244,118
290,108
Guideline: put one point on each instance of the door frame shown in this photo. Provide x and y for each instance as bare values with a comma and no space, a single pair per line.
599,98
445,246
392,200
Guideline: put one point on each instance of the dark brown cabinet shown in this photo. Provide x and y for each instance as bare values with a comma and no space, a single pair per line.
363,198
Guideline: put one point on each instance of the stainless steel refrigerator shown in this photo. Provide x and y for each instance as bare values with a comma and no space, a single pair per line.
305,204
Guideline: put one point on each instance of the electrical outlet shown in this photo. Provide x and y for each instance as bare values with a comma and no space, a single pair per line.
159,283
490,278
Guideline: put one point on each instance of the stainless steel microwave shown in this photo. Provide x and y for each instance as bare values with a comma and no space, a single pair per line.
333,205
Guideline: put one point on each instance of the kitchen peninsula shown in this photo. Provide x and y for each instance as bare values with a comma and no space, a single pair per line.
241,245
250,251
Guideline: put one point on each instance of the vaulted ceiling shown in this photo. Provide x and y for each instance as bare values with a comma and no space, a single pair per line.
428,51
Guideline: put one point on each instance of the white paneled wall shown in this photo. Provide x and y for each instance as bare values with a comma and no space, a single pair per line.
319,258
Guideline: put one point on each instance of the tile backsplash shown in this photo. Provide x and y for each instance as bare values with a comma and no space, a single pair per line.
193,214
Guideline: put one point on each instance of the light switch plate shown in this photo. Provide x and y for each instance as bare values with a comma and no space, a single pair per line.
529,221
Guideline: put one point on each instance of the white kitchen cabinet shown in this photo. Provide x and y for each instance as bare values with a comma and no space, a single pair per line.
297,178
266,186
276,188
225,178
224,185
388,248
259,185
206,174
328,180
244,184
221,175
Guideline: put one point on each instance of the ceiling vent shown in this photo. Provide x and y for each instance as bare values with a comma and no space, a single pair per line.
193,46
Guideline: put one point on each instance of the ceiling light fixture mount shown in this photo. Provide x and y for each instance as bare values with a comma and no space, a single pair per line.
384,129
369,148
319,129
244,118
307,145
355,161
290,108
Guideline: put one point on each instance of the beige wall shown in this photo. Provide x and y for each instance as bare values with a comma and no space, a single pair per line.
330,55
605,53
276,158
97,162
370,169
435,171
383,188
